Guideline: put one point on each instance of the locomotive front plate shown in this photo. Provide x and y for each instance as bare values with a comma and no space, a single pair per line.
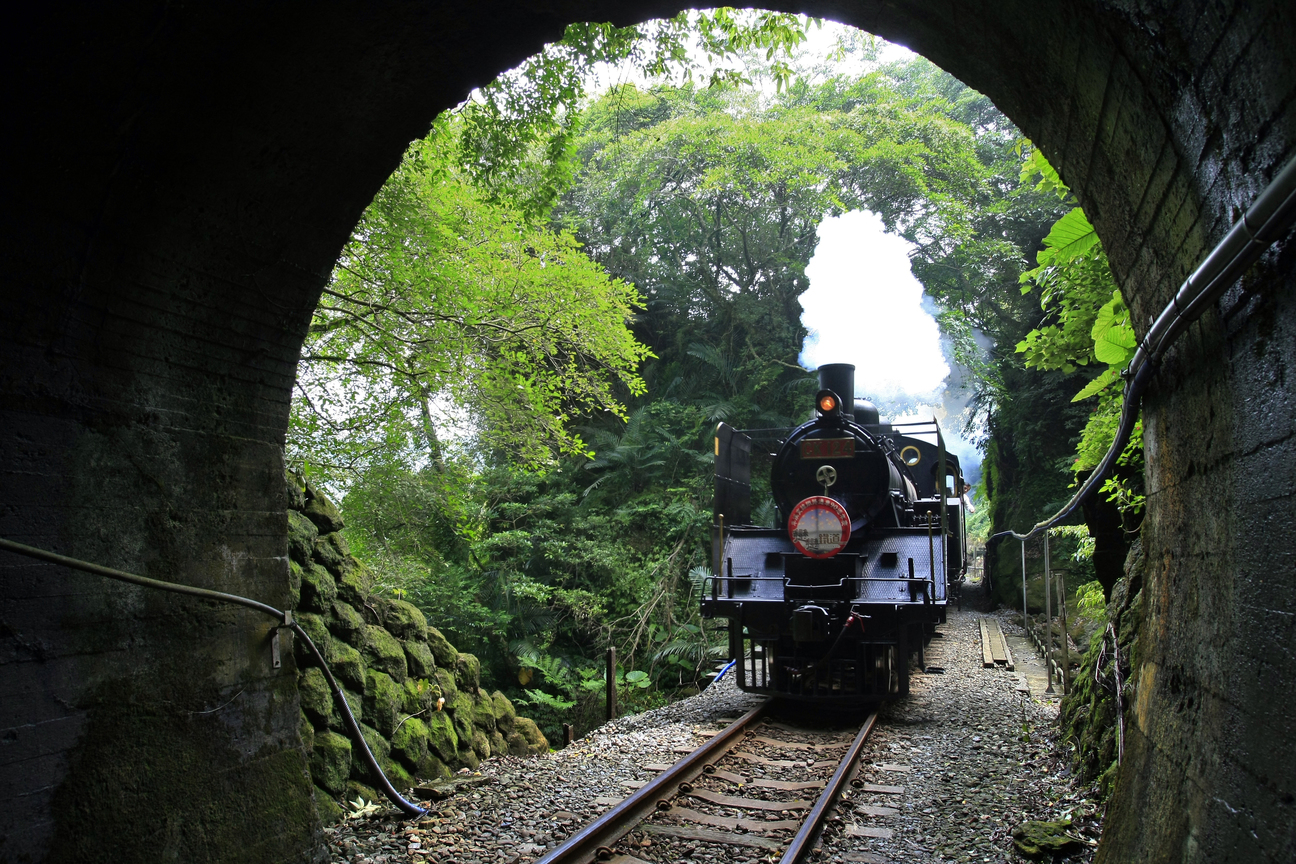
819,527
828,448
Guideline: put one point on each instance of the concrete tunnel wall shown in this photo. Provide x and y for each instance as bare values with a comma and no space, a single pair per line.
177,183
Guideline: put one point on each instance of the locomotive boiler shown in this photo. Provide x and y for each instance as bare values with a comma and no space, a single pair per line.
866,549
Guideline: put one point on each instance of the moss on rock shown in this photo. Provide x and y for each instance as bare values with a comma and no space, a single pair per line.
526,738
418,659
294,584
1038,839
324,514
504,711
384,652
445,654
461,708
296,488
318,590
380,749
301,538
353,582
383,699
355,703
499,746
467,672
410,742
1088,713
316,697
399,777
432,768
331,761
404,620
307,732
355,789
328,809
483,711
331,550
420,695
313,624
442,738
347,664
445,680
345,621
481,744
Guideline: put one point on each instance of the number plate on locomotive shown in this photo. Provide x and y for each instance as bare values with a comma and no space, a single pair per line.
828,448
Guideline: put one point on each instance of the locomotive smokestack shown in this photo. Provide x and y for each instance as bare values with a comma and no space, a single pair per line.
839,378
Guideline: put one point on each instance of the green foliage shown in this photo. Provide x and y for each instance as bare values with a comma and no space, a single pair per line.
1084,548
541,698
534,110
1090,602
1088,322
1074,281
521,412
447,312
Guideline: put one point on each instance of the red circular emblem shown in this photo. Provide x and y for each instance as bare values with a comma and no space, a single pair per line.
819,527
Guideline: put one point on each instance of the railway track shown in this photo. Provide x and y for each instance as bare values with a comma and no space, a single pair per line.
759,787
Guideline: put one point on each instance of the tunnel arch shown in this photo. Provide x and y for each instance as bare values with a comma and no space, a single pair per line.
180,180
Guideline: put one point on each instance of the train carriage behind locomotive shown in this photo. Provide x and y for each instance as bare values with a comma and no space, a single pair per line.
868,545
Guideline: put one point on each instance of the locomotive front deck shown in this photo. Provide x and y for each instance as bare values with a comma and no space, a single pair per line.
783,609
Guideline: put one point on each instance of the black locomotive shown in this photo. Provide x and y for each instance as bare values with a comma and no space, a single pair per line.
868,550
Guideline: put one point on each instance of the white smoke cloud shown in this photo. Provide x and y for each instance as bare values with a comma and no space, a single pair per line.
865,307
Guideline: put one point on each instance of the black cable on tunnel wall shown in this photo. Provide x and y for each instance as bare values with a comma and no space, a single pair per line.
1265,221
285,620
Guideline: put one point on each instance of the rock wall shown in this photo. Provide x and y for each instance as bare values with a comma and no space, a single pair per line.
394,668
1089,713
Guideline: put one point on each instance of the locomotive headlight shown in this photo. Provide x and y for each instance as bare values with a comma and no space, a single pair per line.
827,403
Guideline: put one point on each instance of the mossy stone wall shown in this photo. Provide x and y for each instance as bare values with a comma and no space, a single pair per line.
395,667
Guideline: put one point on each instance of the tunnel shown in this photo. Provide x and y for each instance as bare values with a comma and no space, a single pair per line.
178,181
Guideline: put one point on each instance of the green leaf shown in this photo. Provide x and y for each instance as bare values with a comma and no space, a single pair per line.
1110,375
1071,237
1113,335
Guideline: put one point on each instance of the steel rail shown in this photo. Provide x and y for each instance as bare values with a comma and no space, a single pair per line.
802,844
584,846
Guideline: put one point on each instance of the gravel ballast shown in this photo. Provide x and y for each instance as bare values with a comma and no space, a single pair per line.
981,758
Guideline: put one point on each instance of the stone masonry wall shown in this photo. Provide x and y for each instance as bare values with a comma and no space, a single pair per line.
393,667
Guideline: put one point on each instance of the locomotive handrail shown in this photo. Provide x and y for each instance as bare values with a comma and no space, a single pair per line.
1265,221
830,585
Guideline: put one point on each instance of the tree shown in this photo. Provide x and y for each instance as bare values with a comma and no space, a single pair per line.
709,201
518,131
446,311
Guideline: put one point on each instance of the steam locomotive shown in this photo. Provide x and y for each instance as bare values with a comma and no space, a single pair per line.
868,548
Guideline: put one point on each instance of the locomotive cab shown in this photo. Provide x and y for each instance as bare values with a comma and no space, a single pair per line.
830,602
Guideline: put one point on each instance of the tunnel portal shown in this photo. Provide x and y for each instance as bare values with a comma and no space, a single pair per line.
179,179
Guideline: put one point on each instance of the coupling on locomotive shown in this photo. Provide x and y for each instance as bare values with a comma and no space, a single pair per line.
868,548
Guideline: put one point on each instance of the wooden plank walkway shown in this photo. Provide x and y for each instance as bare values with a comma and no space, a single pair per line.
994,648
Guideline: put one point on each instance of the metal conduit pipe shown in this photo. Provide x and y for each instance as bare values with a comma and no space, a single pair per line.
285,620
1264,222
